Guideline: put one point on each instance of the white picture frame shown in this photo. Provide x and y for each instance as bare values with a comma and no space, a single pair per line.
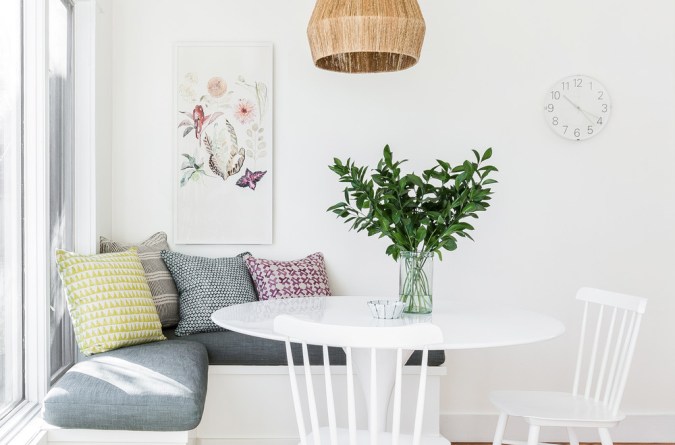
223,143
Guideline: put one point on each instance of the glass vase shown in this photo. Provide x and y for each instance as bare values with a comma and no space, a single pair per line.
415,281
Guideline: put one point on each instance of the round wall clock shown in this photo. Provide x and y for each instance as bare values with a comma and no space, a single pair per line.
577,107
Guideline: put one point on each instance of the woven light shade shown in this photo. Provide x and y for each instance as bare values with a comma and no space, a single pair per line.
366,36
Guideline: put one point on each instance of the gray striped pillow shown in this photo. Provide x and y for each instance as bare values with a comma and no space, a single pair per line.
162,286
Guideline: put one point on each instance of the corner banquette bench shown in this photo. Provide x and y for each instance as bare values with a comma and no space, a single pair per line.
162,386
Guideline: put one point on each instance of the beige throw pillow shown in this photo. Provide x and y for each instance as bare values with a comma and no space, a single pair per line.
162,286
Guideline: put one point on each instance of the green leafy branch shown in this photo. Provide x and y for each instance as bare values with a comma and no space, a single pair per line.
191,169
418,214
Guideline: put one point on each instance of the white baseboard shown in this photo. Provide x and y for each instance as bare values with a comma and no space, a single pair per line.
643,428
256,441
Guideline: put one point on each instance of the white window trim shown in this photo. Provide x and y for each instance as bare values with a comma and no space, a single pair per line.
35,212
36,202
23,424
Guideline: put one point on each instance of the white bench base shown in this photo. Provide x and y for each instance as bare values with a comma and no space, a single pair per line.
58,436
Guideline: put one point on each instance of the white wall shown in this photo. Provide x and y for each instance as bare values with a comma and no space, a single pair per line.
565,214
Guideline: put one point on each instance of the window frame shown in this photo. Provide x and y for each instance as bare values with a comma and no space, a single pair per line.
35,239
21,421
13,307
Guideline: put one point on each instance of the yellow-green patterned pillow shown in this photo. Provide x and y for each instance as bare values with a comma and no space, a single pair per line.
109,300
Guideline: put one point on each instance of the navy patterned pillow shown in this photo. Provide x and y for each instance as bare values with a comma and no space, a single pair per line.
206,285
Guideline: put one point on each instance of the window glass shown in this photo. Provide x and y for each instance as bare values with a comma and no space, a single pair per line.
11,275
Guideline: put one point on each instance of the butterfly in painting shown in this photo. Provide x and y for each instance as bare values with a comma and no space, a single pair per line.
250,179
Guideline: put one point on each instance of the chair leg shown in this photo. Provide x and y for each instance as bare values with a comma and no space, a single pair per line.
574,440
533,435
501,427
605,438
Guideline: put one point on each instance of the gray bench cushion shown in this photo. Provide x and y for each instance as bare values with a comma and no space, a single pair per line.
232,348
152,387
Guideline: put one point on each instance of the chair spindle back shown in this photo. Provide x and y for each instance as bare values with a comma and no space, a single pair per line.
415,336
609,332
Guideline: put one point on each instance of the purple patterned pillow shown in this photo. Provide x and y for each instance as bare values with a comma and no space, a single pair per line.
284,279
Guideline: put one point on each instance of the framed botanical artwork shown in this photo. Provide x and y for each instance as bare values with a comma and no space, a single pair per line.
223,143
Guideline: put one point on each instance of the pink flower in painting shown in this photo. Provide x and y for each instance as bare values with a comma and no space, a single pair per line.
216,86
245,111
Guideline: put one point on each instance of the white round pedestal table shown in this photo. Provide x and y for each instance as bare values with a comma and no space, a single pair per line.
465,325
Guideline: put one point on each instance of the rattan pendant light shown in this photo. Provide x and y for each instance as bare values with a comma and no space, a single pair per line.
366,36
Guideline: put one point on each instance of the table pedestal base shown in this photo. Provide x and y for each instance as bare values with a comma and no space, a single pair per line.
385,365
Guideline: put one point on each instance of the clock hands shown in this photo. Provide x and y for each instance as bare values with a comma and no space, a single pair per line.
589,113
586,116
570,101
584,112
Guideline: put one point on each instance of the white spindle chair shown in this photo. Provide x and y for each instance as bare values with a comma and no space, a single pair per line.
351,338
603,362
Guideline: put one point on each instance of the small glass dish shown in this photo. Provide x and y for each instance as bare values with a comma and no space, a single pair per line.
386,309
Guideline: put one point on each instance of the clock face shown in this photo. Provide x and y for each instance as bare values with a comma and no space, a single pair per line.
577,107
